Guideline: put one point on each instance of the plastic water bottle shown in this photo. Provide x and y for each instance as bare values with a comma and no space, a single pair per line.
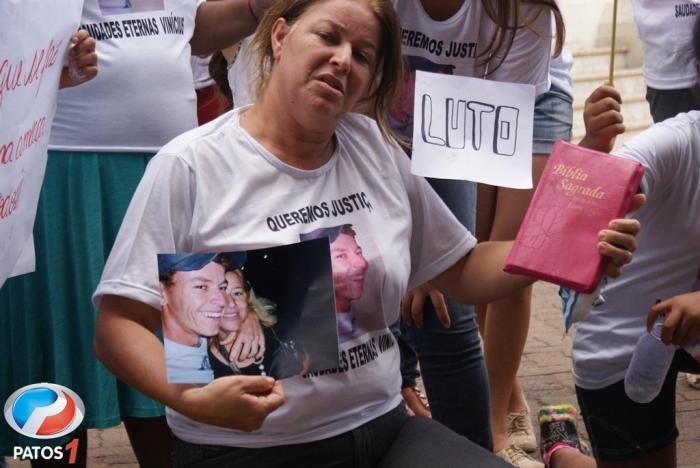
694,350
650,363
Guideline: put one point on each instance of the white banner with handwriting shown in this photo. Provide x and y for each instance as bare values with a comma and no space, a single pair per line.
34,38
473,129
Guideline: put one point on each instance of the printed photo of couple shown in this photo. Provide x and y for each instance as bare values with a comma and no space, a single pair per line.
257,312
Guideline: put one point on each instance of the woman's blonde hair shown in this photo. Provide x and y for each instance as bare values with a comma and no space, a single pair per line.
390,65
263,308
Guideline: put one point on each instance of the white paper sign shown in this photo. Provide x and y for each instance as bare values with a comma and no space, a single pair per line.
34,38
473,129
26,263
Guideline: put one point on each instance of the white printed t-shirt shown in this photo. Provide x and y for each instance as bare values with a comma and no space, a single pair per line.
217,189
452,47
666,261
143,94
666,30
187,364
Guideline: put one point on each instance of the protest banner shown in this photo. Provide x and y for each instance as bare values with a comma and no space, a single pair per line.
34,38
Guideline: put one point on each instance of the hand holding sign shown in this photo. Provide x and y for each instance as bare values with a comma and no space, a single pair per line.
81,60
473,129
29,75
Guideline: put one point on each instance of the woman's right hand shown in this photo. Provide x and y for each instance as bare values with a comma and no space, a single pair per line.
236,402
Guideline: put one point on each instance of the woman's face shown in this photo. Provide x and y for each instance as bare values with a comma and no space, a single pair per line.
237,309
325,62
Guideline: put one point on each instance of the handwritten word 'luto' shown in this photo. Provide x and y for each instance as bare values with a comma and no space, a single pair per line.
14,75
483,122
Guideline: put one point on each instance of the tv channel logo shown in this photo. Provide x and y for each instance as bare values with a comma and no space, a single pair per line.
44,411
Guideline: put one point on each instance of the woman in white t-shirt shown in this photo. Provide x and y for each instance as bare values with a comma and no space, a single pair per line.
297,147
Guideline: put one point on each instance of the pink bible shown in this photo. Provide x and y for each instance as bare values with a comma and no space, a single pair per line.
579,192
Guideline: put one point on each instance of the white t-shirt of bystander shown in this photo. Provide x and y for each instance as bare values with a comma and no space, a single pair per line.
143,95
666,31
666,261
453,47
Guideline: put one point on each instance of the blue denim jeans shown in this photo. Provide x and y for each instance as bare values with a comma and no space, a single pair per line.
553,119
451,360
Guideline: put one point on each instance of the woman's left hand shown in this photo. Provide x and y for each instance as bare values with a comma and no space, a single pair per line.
618,241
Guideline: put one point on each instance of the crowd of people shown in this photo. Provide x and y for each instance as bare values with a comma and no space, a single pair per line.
310,102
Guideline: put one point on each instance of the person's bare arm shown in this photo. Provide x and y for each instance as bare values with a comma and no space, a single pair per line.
125,343
478,278
221,24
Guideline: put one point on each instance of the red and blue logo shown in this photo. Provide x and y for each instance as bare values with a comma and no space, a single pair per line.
44,411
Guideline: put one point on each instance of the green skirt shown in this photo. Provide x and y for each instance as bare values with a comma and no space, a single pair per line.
47,321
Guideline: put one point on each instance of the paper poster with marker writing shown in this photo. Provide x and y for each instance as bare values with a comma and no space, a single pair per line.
472,129
34,39
258,312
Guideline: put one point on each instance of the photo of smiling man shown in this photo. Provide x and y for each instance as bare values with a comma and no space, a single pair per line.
193,298
349,270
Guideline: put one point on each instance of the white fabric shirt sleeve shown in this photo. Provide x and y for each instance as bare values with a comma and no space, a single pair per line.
158,221
661,150
438,239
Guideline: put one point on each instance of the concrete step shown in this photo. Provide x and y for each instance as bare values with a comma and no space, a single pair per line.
628,81
635,112
597,60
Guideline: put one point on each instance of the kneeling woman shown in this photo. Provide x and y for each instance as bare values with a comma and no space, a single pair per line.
298,148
